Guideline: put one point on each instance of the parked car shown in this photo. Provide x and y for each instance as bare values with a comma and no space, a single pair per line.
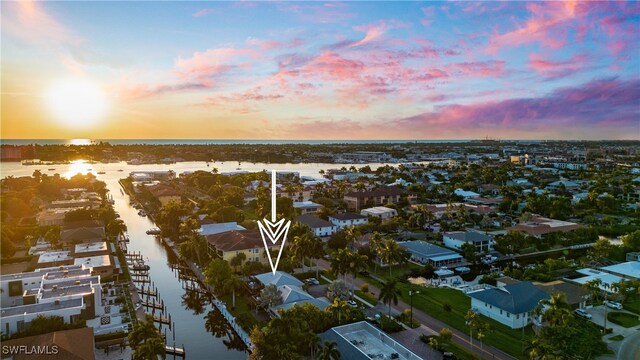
613,305
312,281
364,273
582,313
352,303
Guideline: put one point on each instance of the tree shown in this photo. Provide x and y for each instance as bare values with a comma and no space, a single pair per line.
338,290
445,337
329,351
558,311
194,248
270,296
471,319
390,253
389,293
53,236
144,340
469,252
602,248
216,272
233,284
357,262
631,241
237,261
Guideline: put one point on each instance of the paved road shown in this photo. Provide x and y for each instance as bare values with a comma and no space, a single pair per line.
433,325
630,347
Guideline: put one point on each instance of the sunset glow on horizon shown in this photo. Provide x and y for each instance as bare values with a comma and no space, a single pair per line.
320,70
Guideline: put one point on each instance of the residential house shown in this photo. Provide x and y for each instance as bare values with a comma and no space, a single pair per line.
217,228
348,219
363,341
321,228
165,193
231,243
538,226
83,232
510,305
427,253
380,196
307,207
75,344
382,212
455,239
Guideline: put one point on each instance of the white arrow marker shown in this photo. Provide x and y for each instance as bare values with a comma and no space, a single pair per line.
273,230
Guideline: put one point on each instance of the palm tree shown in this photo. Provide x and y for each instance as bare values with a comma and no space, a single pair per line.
390,253
237,261
145,332
338,307
151,349
375,241
351,234
301,245
389,293
471,319
329,351
558,311
340,261
233,283
316,251
357,262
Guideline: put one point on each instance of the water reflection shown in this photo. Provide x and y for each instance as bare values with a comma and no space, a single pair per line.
195,301
216,324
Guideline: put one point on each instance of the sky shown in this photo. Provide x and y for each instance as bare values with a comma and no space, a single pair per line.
320,70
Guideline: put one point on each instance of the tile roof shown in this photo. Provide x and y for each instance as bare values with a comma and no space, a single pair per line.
237,240
382,191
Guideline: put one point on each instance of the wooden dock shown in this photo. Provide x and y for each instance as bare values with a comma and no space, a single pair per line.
162,319
147,292
153,304
175,351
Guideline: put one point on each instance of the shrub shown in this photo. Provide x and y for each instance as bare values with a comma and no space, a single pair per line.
364,288
389,325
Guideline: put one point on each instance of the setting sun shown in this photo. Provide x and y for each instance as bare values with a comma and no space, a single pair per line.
76,102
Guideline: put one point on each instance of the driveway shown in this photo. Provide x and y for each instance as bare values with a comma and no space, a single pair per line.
598,318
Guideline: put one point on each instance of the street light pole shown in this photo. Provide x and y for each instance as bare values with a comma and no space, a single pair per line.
411,293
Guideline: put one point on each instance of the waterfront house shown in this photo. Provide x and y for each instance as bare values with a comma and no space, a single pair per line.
165,194
427,253
510,304
231,243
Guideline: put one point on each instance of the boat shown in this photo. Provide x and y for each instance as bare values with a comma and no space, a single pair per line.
142,213
154,231
101,172
51,169
139,265
120,170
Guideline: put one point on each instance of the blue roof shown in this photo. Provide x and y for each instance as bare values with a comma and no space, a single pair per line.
515,298
279,279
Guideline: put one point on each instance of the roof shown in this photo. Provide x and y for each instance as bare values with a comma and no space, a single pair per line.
427,249
361,340
41,307
237,240
292,293
629,268
378,210
347,216
83,233
468,236
514,298
279,279
464,193
305,204
161,190
591,274
573,293
382,191
76,344
312,221
217,228
540,226
318,302
82,224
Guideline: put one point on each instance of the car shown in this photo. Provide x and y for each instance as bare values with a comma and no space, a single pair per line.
327,257
364,273
613,305
312,281
582,313
352,303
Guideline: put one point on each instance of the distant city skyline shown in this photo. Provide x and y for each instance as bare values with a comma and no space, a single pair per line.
320,70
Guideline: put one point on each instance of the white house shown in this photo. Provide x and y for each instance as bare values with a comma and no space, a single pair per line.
307,207
382,212
320,227
465,194
348,219
455,239
510,305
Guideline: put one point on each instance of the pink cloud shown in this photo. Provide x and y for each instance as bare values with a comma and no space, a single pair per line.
557,69
211,62
204,12
273,44
372,32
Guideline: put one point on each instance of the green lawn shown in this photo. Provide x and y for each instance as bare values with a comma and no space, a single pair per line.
242,310
460,352
617,338
633,306
431,301
368,297
623,319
